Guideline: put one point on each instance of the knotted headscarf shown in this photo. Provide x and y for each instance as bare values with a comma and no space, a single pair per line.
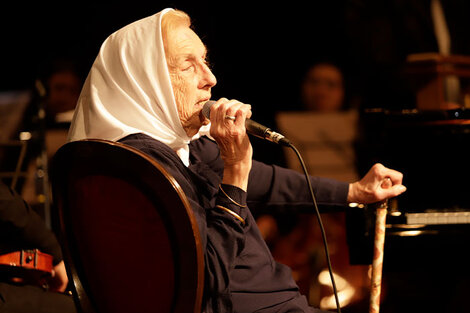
128,90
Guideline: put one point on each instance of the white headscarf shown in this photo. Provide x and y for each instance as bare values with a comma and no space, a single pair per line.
128,90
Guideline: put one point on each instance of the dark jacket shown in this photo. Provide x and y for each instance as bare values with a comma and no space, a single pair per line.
22,228
241,274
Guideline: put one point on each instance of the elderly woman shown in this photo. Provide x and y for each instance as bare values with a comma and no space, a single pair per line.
146,89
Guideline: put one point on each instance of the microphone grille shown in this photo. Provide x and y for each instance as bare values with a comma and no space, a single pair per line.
206,109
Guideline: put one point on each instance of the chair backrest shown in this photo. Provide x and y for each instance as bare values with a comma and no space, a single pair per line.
130,240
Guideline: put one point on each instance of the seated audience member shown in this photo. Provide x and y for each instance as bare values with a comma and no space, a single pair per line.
325,130
22,229
62,83
322,88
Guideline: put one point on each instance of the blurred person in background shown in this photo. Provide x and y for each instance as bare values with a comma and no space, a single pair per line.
295,239
47,120
322,88
26,290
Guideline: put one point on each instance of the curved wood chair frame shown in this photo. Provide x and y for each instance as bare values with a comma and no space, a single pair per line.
130,240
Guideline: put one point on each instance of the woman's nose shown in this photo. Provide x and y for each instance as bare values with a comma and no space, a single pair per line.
208,79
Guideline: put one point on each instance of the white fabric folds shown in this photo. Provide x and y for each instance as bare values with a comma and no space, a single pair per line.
128,90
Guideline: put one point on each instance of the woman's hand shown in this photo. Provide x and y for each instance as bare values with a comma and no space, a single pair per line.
373,186
59,279
228,129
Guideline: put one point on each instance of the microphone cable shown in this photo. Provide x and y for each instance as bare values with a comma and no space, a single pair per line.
317,212
264,132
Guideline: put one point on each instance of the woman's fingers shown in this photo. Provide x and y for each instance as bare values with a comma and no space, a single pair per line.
228,117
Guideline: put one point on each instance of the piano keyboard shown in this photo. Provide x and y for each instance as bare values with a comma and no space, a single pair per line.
438,218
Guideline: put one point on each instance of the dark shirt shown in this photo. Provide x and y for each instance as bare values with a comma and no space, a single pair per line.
22,228
241,274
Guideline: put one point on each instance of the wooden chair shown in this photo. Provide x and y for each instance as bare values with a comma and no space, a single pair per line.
130,240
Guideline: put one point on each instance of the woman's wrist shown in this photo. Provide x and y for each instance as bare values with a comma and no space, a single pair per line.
237,175
352,196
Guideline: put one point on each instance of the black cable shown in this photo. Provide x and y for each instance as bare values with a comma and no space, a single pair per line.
325,244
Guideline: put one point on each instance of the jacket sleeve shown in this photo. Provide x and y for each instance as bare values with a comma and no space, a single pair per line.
274,187
23,227
224,233
222,226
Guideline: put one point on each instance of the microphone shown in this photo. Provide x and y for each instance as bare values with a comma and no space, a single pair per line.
252,127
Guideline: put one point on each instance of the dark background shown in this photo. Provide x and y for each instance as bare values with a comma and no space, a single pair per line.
258,49
252,46
258,52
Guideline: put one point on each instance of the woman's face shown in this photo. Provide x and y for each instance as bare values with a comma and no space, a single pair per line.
322,89
190,76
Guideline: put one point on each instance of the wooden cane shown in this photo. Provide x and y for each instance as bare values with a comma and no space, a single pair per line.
377,262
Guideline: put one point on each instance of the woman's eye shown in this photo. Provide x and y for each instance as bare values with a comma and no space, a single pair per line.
187,66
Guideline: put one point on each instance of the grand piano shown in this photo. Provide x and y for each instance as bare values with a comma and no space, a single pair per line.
426,262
